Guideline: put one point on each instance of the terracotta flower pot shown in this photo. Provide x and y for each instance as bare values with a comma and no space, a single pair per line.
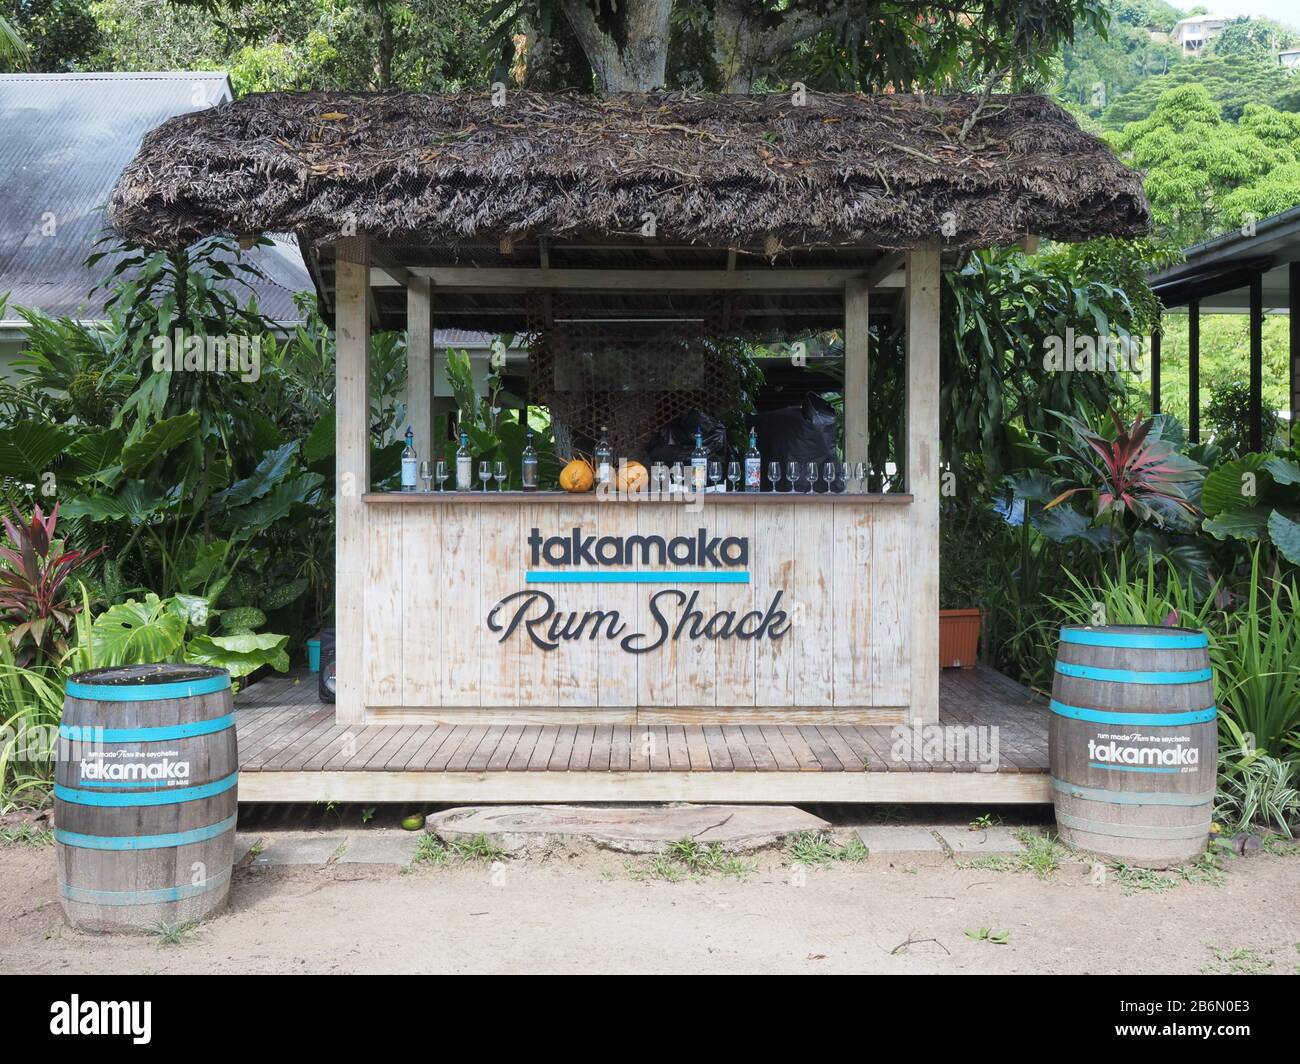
959,638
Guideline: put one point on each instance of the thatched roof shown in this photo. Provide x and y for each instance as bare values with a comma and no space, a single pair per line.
725,171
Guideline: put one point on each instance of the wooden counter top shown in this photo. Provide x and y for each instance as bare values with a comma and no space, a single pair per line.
536,498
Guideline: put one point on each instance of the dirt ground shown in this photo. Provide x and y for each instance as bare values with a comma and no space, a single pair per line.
568,911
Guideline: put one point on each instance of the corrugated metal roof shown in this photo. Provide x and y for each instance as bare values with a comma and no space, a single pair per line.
64,139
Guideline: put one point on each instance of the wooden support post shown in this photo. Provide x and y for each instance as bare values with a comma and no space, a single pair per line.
1257,362
352,470
922,466
419,364
1293,303
1155,369
856,368
1194,370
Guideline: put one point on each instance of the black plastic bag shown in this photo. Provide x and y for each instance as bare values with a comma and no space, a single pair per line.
675,441
803,434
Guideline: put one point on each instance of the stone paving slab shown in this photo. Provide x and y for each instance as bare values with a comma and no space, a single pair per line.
639,829
899,838
297,850
244,843
374,848
986,840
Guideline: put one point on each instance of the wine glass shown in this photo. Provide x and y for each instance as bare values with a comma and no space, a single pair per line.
792,473
829,474
846,474
733,475
440,474
499,473
861,475
426,474
675,477
715,471
812,477
774,474
485,472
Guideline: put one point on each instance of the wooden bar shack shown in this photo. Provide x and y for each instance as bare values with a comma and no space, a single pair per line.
792,214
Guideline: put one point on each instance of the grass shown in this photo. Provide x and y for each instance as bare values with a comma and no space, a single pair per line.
983,823
1041,855
173,934
432,850
1238,961
1207,870
689,858
27,834
816,848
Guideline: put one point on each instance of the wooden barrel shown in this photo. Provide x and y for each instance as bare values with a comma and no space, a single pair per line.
145,796
1134,743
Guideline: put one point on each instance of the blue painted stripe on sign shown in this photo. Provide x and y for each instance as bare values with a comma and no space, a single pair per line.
1106,716
163,733
155,692
144,842
1132,768
1091,672
1102,794
629,576
143,897
171,796
1147,641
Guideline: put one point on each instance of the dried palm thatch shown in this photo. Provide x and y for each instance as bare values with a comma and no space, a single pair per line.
752,172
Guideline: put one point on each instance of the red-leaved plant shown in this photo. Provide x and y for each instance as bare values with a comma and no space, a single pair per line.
35,606
1133,472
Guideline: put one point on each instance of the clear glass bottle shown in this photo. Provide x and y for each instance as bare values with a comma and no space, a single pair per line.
753,464
464,465
699,463
528,473
604,459
410,462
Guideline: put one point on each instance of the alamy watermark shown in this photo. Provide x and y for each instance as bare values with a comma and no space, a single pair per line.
182,353
1084,353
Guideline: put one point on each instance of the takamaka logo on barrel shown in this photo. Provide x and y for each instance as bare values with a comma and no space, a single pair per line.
588,559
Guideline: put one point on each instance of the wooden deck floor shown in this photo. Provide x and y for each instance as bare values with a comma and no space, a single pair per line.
291,750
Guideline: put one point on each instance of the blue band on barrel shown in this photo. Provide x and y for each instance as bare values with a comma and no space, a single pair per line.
1091,672
87,896
151,692
144,842
1157,720
171,796
89,733
1147,641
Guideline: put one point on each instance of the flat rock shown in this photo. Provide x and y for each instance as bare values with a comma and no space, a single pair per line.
374,848
964,841
296,850
899,838
244,843
639,829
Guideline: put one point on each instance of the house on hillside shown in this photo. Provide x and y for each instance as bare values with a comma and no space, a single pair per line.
1289,58
1192,34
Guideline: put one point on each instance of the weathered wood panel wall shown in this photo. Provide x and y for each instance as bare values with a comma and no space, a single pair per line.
436,569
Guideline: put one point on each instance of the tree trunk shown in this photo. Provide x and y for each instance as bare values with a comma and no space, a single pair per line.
554,62
626,41
743,44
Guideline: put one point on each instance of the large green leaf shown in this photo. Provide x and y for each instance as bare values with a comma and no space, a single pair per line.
96,452
1283,470
241,654
208,558
1224,488
271,470
1285,534
319,444
251,519
1244,524
28,450
158,439
138,633
134,501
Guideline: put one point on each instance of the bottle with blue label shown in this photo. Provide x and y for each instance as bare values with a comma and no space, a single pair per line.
410,462
464,465
753,464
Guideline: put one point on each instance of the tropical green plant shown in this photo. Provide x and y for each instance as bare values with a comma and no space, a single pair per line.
31,705
34,606
1255,788
1228,414
1256,499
